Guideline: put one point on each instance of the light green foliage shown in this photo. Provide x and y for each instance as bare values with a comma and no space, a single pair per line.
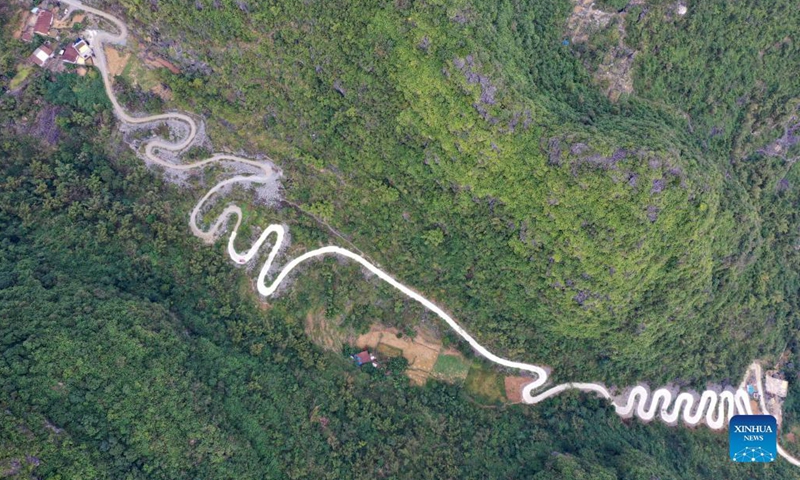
467,150
322,209
23,71
433,237
451,367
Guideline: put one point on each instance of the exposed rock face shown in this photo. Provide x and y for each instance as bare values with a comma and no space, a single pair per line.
614,72
469,68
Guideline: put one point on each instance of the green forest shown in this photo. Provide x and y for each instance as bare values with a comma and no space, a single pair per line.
125,354
466,149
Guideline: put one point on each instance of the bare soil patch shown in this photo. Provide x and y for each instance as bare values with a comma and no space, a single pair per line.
388,351
586,25
69,21
585,19
514,388
157,62
26,22
417,377
371,339
162,91
116,60
23,24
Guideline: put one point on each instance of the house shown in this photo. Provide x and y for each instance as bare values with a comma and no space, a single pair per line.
41,55
27,35
364,358
77,53
83,48
43,23
71,55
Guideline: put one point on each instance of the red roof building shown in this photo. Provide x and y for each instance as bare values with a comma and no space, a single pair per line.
27,35
363,358
41,55
70,55
43,23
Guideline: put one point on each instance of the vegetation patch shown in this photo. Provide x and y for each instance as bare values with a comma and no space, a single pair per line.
325,332
485,384
133,68
389,351
23,71
451,368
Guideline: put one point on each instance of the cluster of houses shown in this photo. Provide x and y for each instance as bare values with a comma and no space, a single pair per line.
77,52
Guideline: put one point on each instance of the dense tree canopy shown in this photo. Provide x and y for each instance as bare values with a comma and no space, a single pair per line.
127,354
466,149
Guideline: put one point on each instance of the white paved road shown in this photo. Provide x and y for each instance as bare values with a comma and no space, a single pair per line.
710,407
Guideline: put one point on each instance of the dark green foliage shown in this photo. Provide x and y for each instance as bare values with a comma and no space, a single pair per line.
127,354
396,366
72,91
612,5
469,153
467,150
133,98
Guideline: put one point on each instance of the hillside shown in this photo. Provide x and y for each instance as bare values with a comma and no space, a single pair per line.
604,189
596,236
127,354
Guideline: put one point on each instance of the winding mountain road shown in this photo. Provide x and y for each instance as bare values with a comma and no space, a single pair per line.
710,407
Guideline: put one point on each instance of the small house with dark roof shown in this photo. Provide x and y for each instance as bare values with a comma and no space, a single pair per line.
41,55
364,358
70,55
43,23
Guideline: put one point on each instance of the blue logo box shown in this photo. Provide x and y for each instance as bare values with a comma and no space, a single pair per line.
753,438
